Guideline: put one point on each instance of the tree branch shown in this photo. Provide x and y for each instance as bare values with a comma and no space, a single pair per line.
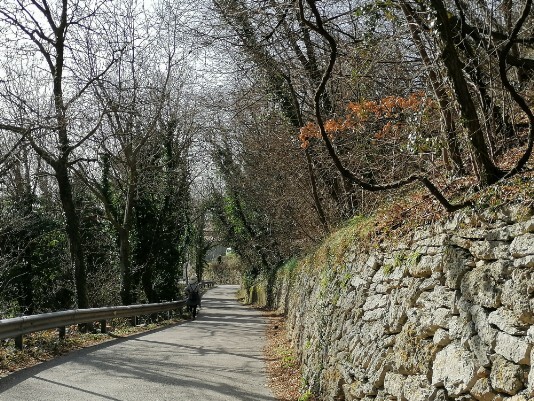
520,100
319,28
26,134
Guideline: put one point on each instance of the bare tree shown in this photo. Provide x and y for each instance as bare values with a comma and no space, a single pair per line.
288,67
136,96
46,87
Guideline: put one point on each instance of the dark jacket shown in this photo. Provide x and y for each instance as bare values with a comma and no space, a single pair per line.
192,291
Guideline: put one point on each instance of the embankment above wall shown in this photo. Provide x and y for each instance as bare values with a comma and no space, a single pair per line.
446,314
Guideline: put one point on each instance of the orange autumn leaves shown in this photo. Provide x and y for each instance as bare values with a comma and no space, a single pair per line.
386,117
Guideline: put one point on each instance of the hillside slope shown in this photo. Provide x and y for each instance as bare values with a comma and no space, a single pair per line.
443,311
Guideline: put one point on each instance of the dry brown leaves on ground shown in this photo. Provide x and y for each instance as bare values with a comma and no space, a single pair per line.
282,365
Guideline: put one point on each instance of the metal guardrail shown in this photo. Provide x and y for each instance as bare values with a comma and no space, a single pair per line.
18,326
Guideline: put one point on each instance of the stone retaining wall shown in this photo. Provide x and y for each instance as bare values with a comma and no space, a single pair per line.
446,315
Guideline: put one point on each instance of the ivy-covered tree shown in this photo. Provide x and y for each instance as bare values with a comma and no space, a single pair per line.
34,268
163,207
242,220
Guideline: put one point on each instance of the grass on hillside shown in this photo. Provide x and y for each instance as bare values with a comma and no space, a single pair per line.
396,219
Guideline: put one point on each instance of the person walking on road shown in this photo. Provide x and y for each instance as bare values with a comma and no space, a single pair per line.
192,292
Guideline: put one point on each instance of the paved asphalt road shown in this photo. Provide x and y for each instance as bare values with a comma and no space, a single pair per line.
216,357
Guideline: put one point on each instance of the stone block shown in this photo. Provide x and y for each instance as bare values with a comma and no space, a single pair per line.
455,368
379,276
374,302
348,301
461,242
372,332
378,369
412,354
428,321
421,235
348,391
373,262
471,233
400,301
388,341
490,250
428,250
358,283
507,233
524,262
505,376
530,387
417,388
499,234
523,227
506,321
372,315
515,349
435,240
455,266
453,223
461,329
441,338
480,350
517,293
396,274
359,390
522,246
425,266
519,397
393,384
480,285
428,284
439,297
358,299
482,390
347,372
520,212
331,383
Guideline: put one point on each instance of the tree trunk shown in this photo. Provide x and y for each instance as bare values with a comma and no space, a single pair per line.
280,83
72,221
489,173
146,281
125,266
315,192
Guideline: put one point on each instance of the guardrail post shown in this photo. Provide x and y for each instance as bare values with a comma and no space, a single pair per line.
18,342
62,331
103,327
